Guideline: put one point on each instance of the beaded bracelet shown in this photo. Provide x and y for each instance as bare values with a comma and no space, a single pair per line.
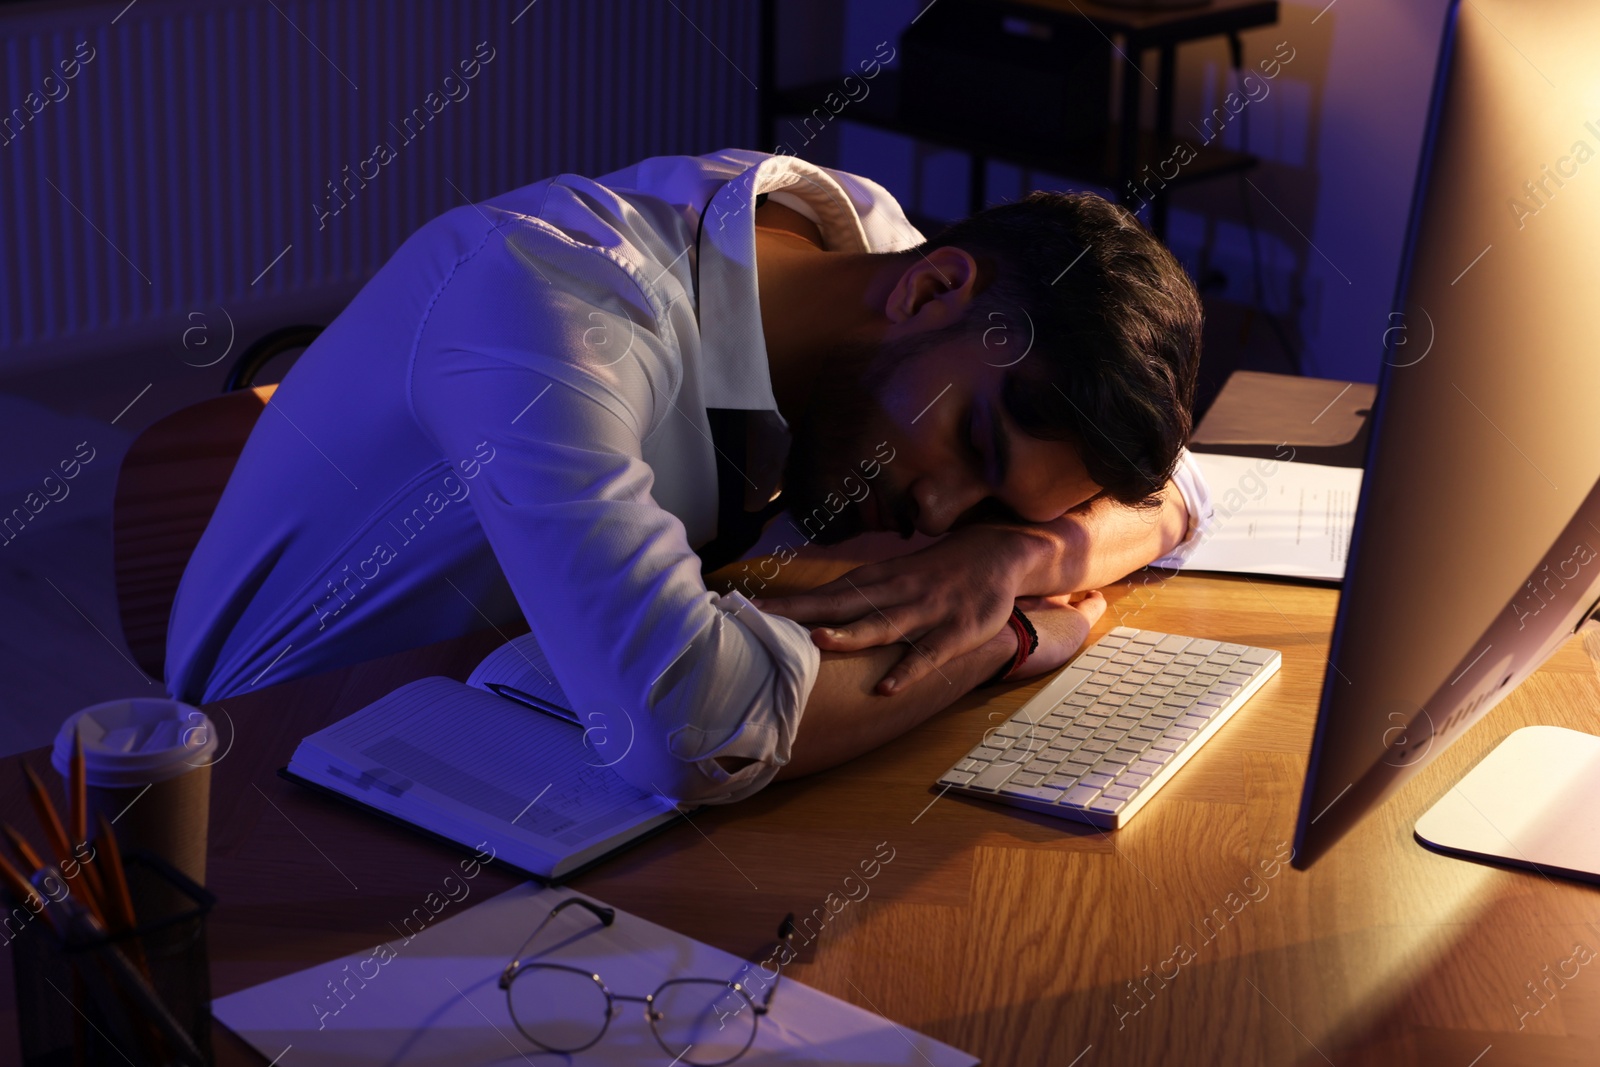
1027,644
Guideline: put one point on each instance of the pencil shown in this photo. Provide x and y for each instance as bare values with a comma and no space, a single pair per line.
19,844
19,888
78,792
56,835
118,900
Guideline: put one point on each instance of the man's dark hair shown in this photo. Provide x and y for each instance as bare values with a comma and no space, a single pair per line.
1115,332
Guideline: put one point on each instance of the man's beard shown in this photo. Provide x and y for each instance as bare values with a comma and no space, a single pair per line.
832,442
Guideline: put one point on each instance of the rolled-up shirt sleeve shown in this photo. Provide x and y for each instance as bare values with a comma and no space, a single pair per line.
703,692
1191,483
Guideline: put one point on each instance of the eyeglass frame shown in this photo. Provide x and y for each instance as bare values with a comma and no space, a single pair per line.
607,916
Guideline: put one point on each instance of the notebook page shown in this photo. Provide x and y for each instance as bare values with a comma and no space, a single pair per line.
483,764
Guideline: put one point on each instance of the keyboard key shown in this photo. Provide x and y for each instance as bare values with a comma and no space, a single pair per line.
1178,732
1110,700
1060,781
1077,732
1104,805
1079,796
1078,700
984,754
1143,733
1234,649
1235,678
1193,722
1164,744
1132,779
1110,733
1173,643
1048,796
969,765
1075,767
1095,781
1155,755
1145,700
1120,633
993,778
1256,655
1024,778
1010,729
956,778
1118,792
1145,766
1092,720
1094,744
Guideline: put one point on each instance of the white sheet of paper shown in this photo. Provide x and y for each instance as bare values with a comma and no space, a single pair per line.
437,1001
1276,517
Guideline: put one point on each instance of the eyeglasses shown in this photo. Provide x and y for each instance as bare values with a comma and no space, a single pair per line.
700,1021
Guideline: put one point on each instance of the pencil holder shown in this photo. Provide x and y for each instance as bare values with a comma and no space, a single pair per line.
87,1000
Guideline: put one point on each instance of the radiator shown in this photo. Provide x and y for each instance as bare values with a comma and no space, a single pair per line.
168,163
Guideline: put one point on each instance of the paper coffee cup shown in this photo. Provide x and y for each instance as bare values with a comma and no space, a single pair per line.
147,765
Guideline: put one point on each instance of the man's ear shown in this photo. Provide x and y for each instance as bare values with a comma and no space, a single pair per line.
935,289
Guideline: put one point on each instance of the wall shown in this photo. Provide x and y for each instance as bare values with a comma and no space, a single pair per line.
1339,132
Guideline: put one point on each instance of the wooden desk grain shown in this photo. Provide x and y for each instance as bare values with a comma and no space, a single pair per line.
1181,939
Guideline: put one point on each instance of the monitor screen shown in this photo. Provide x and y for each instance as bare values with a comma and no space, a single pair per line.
1476,550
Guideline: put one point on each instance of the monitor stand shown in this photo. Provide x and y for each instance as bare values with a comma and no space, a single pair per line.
1533,802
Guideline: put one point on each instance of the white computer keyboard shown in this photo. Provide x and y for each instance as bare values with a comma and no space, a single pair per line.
1113,727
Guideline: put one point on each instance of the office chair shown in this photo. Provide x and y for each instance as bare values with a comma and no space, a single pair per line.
168,486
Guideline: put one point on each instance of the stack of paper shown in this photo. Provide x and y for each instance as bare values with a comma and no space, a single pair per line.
435,998
1276,517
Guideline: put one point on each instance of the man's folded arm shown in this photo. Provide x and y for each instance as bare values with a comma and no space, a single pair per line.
1101,542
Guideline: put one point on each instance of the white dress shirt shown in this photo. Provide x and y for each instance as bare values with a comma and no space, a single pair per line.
510,418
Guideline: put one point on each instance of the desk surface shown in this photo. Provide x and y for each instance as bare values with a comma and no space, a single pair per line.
1008,934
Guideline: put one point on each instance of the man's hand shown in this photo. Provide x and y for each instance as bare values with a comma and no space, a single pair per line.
945,600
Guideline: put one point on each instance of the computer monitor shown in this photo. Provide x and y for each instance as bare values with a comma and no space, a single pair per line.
1476,549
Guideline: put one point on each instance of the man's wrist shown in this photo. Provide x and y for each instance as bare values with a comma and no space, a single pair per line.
995,654
1047,558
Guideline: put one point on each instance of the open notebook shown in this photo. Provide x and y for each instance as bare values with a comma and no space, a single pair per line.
499,759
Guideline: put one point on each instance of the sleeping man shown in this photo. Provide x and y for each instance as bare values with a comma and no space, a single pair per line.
569,402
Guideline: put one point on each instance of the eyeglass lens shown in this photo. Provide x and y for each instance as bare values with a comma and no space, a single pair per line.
562,1010
705,1022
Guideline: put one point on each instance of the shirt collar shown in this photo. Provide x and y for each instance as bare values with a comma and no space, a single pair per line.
733,348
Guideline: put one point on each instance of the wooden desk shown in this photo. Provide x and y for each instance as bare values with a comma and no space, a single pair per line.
1008,934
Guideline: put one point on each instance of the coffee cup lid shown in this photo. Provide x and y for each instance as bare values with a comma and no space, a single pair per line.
135,741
